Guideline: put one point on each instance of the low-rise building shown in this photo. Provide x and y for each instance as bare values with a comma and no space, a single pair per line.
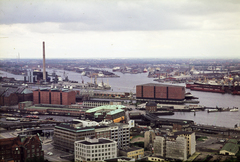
230,148
151,107
132,152
92,149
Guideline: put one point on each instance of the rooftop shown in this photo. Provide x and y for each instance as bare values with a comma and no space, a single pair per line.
231,147
69,127
108,107
99,141
159,85
115,111
130,149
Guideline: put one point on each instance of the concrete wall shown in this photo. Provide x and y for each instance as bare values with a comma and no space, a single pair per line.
158,145
177,149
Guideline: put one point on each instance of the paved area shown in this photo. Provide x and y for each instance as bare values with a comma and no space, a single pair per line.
56,156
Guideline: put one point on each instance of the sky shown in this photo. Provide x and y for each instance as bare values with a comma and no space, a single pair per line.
120,28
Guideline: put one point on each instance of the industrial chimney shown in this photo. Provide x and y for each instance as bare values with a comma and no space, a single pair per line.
44,66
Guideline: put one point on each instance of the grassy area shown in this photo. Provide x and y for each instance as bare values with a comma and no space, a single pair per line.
202,139
194,156
137,136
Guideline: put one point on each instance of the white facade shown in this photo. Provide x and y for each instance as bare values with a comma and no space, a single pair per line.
120,133
87,123
95,149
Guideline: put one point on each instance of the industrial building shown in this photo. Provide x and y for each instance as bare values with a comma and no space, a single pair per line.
230,148
93,149
54,96
160,92
34,76
13,95
97,103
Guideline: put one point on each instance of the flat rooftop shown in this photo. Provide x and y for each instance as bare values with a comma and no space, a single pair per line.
159,85
100,141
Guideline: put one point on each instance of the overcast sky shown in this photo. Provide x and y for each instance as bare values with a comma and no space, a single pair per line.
120,28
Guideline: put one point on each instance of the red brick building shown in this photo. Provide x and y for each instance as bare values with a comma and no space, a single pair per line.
21,148
151,107
54,96
160,91
12,95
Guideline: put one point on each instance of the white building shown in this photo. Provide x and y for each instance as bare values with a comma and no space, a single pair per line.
87,123
120,132
95,149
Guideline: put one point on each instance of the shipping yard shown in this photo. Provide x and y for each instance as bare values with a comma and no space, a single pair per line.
41,106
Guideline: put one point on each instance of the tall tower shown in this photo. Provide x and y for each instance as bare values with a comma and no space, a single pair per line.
44,66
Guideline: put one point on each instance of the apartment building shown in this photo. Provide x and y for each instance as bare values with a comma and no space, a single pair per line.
120,132
191,141
175,145
93,149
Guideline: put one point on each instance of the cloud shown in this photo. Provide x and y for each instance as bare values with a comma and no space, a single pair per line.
107,15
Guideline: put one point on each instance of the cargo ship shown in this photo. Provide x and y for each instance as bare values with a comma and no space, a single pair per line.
214,87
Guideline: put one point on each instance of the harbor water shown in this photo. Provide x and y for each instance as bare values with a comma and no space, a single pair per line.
127,82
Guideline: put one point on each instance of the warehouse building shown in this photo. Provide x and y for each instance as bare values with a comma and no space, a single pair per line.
160,92
13,95
54,96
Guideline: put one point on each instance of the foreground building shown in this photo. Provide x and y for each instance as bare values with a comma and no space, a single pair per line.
92,149
230,148
178,145
132,152
21,148
66,134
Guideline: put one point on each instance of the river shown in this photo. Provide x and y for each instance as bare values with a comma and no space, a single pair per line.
127,82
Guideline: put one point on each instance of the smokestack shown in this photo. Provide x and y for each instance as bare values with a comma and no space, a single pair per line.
44,66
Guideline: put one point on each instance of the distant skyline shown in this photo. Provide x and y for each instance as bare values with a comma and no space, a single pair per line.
120,28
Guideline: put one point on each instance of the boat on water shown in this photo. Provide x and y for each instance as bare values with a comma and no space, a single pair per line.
12,119
145,70
212,110
234,109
